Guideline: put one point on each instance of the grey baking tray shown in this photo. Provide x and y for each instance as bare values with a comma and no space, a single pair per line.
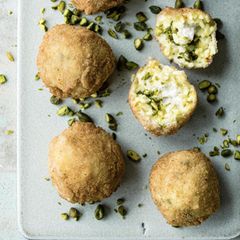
38,208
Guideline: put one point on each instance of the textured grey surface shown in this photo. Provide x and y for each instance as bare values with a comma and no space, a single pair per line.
37,191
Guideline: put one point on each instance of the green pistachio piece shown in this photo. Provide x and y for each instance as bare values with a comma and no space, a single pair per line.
83,117
71,121
179,4
3,79
99,212
83,22
155,9
130,65
122,211
141,17
112,34
220,112
55,100
226,153
204,84
237,155
198,4
138,43
147,37
211,98
10,57
74,213
132,155
212,89
140,26
64,216
61,6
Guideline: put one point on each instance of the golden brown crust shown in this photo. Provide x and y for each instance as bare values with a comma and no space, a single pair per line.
185,187
94,6
74,62
85,163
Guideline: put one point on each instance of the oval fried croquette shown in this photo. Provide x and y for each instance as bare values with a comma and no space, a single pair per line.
85,163
74,61
185,187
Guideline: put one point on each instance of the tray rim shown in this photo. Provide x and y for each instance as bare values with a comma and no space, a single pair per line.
20,224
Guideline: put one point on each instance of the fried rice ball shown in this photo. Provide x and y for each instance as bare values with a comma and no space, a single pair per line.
187,36
74,61
185,187
85,163
95,6
161,98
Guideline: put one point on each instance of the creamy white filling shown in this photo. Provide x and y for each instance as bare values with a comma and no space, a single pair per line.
169,93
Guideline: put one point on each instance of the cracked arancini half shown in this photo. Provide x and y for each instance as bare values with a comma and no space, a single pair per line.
162,98
187,36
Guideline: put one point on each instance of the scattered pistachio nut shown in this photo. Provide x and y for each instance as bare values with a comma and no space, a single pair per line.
3,79
10,57
132,155
155,9
64,216
99,212
83,117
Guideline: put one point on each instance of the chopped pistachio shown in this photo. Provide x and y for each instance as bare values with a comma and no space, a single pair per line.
74,213
203,139
122,211
132,155
55,100
233,142
140,26
91,26
37,77
179,4
98,19
10,57
3,79
147,37
121,64
67,13
83,117
119,114
238,139
227,167
226,153
204,84
130,65
126,34
71,121
112,34
9,132
64,216
211,98
138,43
224,132
83,22
99,103
76,12
109,118
120,201
119,27
141,17
155,9
43,10
61,6
212,89
84,106
198,4
64,110
225,144
99,212
215,152
220,112
237,155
